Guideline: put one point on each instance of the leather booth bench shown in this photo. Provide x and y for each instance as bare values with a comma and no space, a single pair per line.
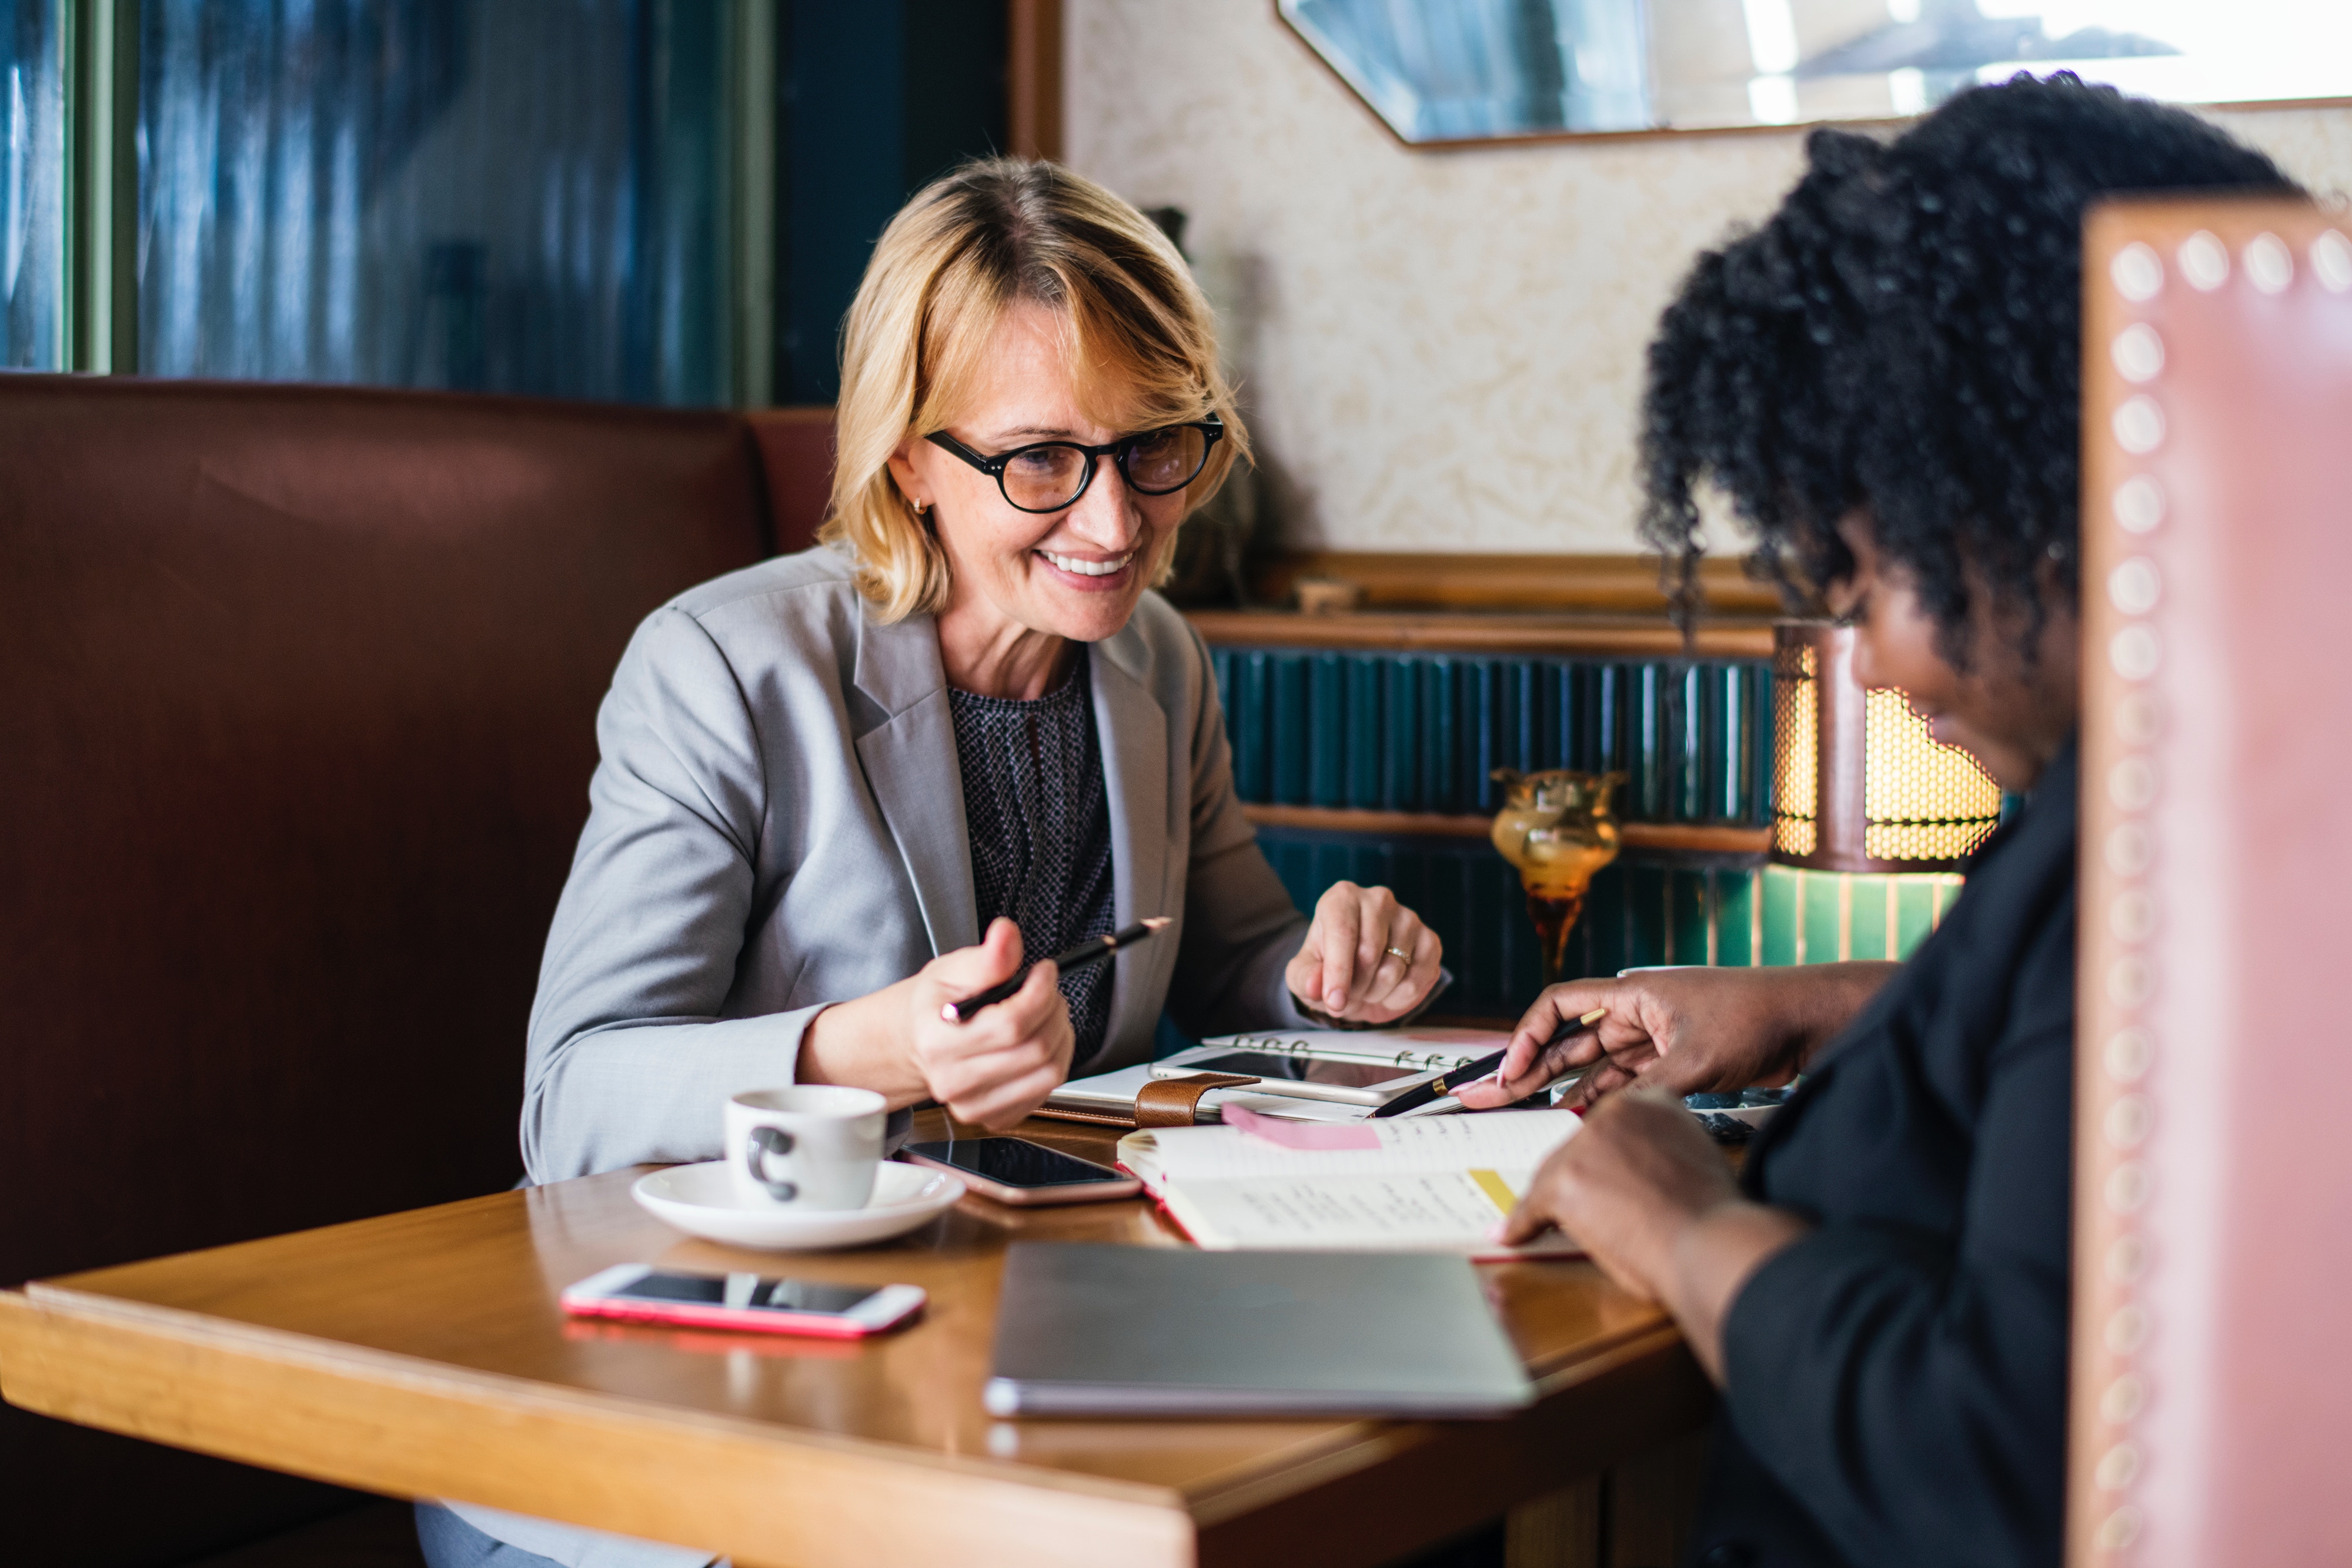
296,698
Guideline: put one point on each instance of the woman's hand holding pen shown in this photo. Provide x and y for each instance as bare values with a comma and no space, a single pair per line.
991,1071
1367,958
1000,1066
1683,1032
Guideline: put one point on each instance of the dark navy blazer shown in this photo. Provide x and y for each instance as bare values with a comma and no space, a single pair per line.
1896,1382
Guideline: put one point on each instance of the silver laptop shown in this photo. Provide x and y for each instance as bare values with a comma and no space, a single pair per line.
1091,1329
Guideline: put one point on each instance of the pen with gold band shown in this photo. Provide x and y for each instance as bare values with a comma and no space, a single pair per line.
1469,1072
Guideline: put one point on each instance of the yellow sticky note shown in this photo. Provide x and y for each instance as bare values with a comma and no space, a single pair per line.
1499,1192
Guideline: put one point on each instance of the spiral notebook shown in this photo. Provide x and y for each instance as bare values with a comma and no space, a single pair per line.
1108,1098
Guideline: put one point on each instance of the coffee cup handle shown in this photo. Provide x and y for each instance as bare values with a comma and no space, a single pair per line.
763,1141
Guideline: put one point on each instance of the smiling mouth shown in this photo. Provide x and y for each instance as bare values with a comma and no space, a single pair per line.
1072,564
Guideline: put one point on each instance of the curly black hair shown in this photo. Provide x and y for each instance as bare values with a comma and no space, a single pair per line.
1904,334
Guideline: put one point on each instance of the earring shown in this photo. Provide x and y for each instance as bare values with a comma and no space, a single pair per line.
922,507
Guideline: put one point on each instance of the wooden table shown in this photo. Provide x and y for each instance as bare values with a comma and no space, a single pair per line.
422,1354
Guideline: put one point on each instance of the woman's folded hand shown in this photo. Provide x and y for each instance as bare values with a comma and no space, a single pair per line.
1642,1189
1367,958
1636,1173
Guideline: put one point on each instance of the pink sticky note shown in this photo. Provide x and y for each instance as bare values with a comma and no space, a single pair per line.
1302,1135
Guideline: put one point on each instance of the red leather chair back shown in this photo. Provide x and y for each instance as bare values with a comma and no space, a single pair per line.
2213,1174
298,689
796,448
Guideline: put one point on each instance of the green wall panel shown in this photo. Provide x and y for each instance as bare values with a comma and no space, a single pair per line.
1868,925
1736,911
1687,902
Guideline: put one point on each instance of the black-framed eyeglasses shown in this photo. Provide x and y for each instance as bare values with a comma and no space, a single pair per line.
1051,474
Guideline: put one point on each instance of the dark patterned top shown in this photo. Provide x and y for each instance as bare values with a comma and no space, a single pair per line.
1040,823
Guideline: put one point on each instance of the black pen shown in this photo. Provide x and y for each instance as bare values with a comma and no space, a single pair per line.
1469,1072
1092,950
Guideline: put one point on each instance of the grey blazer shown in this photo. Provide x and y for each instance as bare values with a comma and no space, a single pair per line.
777,823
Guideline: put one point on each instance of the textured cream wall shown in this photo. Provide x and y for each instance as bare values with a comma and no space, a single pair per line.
1440,350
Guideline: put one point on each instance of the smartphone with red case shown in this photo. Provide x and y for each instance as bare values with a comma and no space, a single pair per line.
640,1292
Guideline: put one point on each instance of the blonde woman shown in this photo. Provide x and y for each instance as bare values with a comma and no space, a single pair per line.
842,788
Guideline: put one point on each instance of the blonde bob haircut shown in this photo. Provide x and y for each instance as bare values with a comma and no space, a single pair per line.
998,231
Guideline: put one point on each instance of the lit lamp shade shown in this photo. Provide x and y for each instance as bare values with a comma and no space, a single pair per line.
1859,784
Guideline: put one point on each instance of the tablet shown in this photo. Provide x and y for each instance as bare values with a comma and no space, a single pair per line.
1305,1074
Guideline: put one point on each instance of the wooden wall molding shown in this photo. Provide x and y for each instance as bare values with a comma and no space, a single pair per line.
1581,584
1698,837
1033,79
1520,635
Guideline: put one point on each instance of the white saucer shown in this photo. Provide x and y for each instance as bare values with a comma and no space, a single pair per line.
700,1200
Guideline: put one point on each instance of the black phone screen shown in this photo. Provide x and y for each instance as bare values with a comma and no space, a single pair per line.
1307,1069
1016,1161
774,1295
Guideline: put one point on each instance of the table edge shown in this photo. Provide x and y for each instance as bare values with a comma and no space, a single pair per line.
343,1358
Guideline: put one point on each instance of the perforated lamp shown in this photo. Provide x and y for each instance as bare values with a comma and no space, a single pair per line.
1859,783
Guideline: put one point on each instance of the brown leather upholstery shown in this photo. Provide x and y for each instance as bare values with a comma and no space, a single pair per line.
297,699
2212,1276
796,446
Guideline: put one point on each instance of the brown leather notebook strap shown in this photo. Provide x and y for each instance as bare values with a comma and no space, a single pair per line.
1086,1113
1172,1102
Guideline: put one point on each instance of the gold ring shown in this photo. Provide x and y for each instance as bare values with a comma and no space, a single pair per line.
1398,954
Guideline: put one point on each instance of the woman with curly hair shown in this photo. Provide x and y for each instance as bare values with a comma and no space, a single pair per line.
1884,382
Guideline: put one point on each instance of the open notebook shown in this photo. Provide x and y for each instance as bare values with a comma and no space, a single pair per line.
1437,1184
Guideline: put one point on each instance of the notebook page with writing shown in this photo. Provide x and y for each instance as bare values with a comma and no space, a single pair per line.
1514,1139
1439,1185
1414,1211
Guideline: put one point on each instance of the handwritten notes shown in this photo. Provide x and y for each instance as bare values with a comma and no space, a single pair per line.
1438,1184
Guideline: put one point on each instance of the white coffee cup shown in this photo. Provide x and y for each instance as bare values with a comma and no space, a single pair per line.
811,1146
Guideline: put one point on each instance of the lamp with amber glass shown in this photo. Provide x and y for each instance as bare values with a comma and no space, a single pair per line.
1859,783
1556,827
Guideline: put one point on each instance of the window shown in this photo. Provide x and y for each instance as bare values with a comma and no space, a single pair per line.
32,187
486,196
650,201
